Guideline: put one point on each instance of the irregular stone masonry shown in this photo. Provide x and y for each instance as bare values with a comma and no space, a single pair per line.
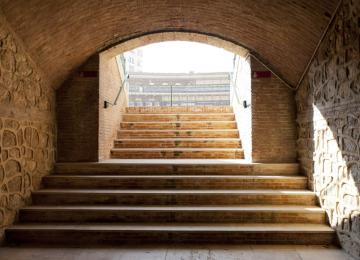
27,134
27,154
20,84
329,125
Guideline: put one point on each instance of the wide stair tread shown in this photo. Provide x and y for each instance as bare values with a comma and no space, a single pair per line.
95,233
182,110
178,117
173,197
179,125
177,191
175,181
171,213
233,227
177,133
179,139
178,167
177,149
254,207
174,153
178,143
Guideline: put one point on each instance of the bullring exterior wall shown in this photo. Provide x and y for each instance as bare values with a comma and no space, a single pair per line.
27,126
328,104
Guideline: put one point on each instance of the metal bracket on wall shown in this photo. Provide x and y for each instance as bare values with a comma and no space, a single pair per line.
245,104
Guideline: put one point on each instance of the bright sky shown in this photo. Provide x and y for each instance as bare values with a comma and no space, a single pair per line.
182,56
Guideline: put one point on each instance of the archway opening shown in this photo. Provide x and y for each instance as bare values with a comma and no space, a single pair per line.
173,70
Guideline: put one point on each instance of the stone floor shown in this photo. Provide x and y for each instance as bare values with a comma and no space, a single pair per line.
183,252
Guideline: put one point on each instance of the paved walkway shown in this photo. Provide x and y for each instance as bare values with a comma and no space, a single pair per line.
183,252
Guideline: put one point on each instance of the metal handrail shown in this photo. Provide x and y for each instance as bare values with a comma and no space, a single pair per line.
235,89
234,81
107,103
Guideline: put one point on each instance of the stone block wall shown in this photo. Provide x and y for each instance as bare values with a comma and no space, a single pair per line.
273,117
27,128
328,104
77,109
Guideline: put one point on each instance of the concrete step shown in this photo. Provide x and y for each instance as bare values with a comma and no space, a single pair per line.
176,153
178,143
179,110
113,234
178,117
179,125
174,182
177,167
174,214
193,133
171,197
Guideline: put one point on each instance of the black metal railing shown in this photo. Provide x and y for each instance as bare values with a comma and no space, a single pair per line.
122,86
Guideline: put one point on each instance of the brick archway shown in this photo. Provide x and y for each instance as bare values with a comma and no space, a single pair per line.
283,33
156,37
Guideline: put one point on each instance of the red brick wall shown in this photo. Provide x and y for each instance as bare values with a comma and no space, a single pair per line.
78,116
273,117
62,34
109,119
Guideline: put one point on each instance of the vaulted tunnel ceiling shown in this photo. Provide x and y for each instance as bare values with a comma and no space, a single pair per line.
61,35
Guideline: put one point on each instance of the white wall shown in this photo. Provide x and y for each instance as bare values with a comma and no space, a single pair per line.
241,91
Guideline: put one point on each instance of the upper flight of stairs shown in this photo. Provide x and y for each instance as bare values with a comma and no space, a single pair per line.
157,200
178,133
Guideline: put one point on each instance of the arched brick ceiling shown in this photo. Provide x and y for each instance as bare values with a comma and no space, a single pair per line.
60,35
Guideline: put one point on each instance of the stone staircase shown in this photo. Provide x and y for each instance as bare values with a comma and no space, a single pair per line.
178,133
184,200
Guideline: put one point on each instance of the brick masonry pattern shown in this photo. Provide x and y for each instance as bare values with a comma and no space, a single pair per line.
257,25
273,118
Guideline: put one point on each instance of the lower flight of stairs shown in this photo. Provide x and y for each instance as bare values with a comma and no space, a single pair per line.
155,200
178,133
209,201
